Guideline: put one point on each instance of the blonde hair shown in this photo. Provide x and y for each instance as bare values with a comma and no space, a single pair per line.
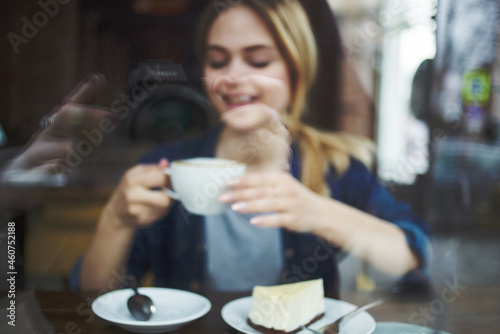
290,27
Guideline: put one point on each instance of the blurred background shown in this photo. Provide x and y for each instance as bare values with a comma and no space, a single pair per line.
419,77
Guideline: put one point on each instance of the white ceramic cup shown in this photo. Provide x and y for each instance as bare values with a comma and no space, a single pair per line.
199,182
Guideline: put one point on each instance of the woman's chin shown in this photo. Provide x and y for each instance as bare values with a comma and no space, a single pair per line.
241,126
243,119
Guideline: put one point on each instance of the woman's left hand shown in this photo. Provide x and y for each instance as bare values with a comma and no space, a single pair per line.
289,203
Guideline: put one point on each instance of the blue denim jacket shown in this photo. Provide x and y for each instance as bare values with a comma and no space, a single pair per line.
173,247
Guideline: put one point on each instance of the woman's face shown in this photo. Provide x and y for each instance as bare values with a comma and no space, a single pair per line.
244,65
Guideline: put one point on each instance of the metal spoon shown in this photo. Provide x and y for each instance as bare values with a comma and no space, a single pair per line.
140,306
333,328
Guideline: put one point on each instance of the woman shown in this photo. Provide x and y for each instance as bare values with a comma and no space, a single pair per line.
259,60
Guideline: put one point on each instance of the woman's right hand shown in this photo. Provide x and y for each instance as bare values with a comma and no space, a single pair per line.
133,203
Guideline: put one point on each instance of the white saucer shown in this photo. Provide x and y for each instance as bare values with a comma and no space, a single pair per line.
399,327
235,314
174,309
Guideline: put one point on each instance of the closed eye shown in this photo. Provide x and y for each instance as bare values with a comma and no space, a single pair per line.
260,64
217,65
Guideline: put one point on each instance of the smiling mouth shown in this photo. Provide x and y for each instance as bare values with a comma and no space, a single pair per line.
234,101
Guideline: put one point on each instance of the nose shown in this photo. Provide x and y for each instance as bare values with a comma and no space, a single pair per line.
236,69
231,77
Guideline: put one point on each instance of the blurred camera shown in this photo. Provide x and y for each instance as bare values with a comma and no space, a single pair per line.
166,105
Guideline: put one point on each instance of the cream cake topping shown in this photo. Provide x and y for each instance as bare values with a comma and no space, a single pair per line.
286,307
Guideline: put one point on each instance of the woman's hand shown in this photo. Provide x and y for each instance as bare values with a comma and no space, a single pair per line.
260,91
53,152
289,203
254,133
134,203
49,148
266,146
296,208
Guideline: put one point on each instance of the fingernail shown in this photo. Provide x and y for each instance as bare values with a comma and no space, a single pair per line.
240,206
226,198
95,78
234,182
256,221
91,78
163,162
74,108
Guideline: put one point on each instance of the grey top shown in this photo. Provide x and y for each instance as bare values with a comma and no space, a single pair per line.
240,255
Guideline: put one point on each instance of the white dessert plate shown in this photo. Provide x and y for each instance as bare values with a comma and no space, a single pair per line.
235,314
399,327
174,309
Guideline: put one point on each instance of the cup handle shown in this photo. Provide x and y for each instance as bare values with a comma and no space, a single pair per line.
171,193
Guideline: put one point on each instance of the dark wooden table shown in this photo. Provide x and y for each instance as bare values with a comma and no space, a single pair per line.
467,310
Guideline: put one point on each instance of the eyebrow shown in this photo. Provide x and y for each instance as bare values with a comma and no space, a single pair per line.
247,49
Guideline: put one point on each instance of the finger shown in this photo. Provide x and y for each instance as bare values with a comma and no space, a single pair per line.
274,89
272,220
144,215
263,127
258,180
247,194
147,176
40,152
222,83
157,199
57,166
164,163
260,205
71,117
87,89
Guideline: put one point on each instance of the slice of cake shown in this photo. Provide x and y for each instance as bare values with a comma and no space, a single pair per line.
284,308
